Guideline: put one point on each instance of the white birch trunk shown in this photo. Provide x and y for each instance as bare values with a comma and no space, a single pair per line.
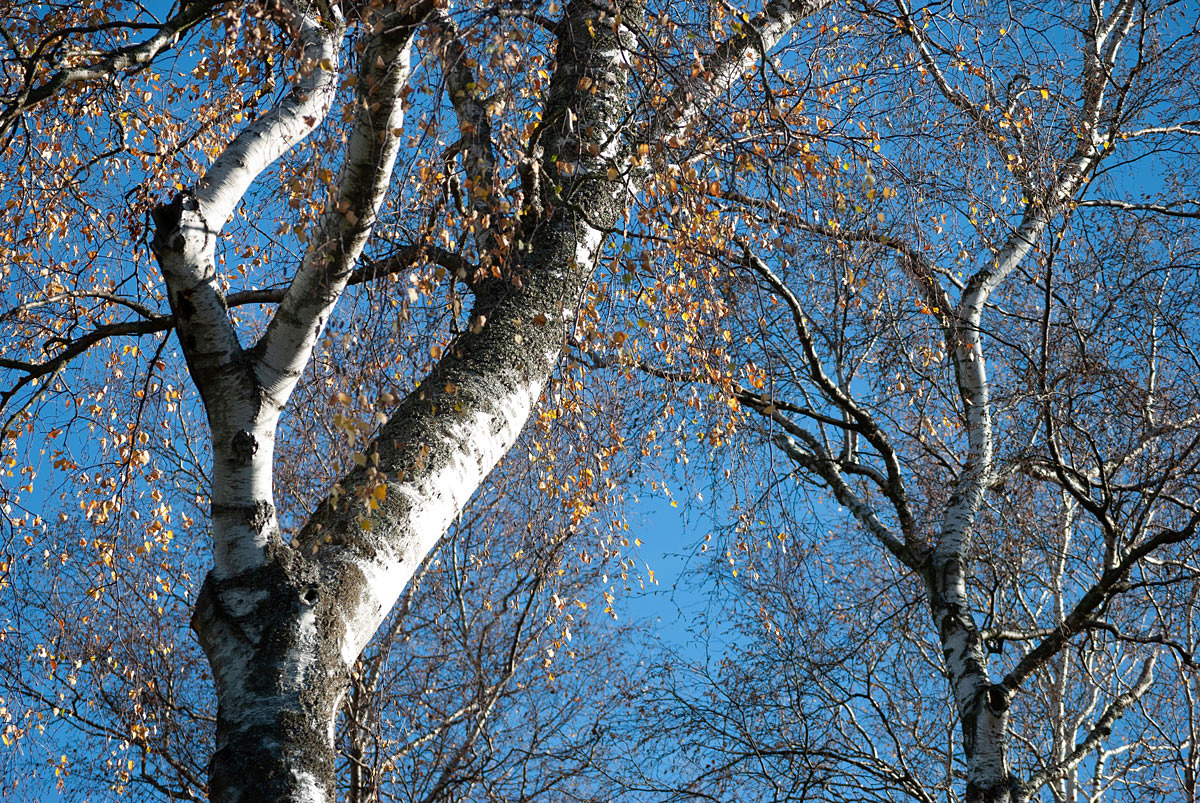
283,626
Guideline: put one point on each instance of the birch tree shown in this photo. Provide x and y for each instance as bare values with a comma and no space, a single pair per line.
953,332
176,134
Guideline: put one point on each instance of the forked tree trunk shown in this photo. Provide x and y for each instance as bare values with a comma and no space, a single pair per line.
282,625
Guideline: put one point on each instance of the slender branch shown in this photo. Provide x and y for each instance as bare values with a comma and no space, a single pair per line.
959,98
155,322
1189,127
721,69
112,298
818,461
351,212
1098,733
130,57
1186,208
864,421
1112,582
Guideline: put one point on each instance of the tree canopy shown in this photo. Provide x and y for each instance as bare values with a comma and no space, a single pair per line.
344,342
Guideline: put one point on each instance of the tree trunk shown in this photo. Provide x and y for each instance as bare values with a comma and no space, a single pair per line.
982,706
282,625
279,684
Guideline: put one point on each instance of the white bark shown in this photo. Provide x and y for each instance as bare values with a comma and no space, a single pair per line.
435,498
347,223
281,625
278,130
282,658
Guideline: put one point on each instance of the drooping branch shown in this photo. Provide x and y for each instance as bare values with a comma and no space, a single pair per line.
154,322
923,273
857,418
776,410
34,371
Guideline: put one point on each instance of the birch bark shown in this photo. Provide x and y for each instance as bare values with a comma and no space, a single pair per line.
282,624
942,558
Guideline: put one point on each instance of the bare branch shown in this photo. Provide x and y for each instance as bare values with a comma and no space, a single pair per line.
128,58
1187,208
1098,733
1112,582
155,322
860,419
814,458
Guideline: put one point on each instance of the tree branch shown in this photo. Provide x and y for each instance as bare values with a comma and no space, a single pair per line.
351,210
1112,582
722,68
130,57
863,421
156,322
187,228
277,131
474,124
1098,733
1186,208
819,462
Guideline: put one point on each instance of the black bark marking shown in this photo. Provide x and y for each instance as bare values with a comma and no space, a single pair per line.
997,698
166,222
261,516
258,515
244,446
184,308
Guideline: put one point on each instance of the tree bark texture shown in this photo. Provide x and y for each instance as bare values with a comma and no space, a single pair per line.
282,625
